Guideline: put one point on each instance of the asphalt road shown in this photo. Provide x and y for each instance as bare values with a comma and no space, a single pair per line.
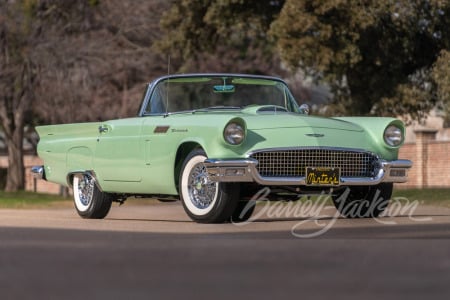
154,252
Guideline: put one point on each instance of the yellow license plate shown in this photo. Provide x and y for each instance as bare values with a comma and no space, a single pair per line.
322,176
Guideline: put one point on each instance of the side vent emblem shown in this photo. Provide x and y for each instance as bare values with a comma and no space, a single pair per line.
161,129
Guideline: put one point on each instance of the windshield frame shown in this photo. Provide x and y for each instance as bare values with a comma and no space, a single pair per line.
290,101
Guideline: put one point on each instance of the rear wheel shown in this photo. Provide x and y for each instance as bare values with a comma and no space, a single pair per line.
203,200
90,202
363,202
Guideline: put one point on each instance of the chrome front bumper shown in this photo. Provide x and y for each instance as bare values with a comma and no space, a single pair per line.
245,171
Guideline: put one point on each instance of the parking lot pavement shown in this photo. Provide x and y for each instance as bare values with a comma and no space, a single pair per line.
156,252
170,218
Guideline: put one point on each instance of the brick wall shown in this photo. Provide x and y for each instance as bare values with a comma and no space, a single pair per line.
438,164
31,184
41,186
431,160
408,151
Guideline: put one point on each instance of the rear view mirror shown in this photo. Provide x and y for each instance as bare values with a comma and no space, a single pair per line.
226,88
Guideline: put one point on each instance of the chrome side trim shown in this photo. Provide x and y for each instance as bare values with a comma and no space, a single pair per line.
38,172
245,171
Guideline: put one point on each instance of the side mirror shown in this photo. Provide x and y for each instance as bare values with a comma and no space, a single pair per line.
304,109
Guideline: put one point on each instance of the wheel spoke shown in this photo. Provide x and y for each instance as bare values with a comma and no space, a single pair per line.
86,189
202,191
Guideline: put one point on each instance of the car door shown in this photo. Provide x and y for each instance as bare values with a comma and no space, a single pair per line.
160,142
119,155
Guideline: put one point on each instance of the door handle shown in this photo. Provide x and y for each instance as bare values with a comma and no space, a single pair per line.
103,129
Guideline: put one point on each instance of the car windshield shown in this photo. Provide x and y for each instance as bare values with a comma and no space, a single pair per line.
218,92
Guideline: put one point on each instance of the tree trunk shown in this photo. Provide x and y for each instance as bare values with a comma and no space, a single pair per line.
16,173
13,108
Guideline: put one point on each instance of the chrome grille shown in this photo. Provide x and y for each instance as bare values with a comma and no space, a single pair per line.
293,162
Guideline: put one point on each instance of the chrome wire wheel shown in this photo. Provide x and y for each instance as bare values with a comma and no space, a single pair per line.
83,187
90,202
203,200
202,192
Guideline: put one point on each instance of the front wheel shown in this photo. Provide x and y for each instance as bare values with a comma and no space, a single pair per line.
363,202
90,202
203,200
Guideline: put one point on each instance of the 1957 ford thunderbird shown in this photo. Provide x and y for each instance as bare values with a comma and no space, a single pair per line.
215,140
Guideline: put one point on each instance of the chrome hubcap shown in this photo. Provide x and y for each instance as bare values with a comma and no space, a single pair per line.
201,190
86,189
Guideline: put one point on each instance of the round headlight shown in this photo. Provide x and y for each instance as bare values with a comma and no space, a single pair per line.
393,136
234,133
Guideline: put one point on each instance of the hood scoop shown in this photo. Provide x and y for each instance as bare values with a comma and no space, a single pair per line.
271,109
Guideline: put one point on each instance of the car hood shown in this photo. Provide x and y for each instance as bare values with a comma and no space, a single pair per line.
294,130
259,121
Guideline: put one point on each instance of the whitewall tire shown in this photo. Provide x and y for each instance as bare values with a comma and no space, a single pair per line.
90,202
203,200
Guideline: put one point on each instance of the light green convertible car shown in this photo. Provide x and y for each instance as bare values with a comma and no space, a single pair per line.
214,141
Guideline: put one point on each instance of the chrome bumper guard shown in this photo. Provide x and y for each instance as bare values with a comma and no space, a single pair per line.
38,172
245,171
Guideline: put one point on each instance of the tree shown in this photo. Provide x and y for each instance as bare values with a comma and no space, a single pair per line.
441,76
96,68
225,36
26,28
17,80
375,55
73,61
221,36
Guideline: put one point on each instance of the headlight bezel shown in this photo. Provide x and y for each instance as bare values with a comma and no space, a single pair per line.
394,135
234,132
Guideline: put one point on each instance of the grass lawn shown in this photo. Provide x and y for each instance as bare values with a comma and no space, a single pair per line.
32,200
439,197
431,196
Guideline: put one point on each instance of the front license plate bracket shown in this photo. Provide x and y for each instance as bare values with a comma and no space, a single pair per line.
323,176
